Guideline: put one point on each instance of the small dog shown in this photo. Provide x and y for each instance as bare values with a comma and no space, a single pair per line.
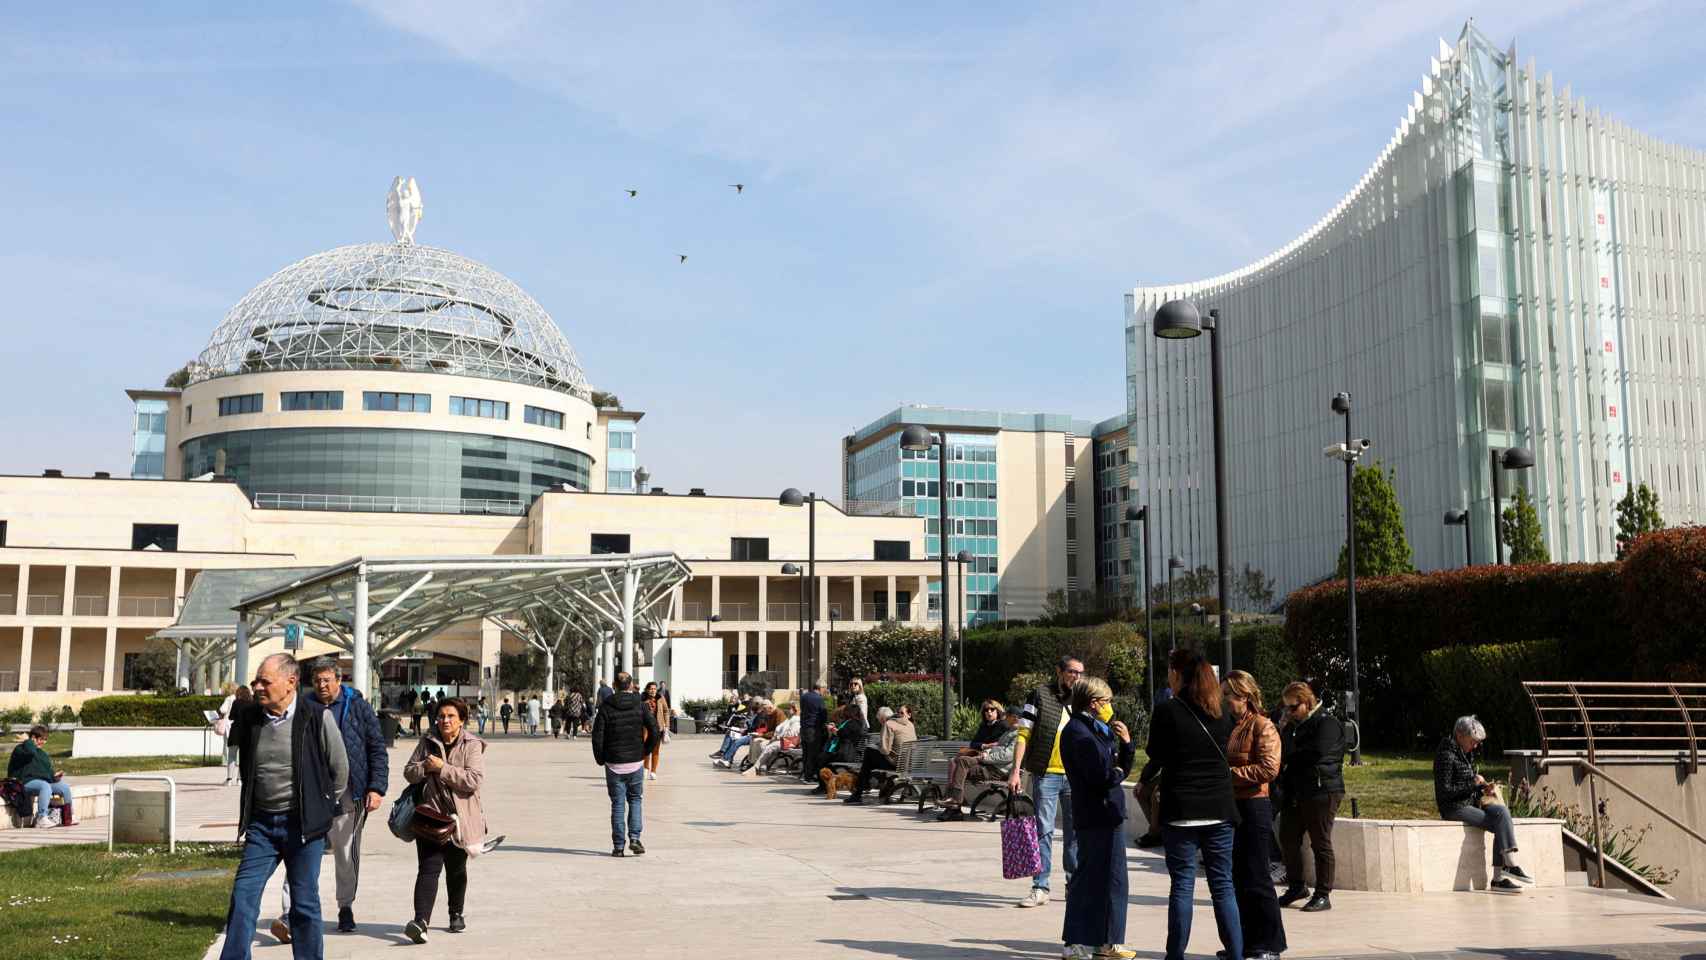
833,781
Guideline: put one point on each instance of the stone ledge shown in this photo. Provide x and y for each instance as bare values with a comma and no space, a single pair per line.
88,800
1429,856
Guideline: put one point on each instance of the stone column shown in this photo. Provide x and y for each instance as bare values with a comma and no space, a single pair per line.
891,612
23,591
716,597
24,655
763,609
177,592
68,601
793,657
107,661
763,649
921,601
740,655
858,599
64,684
822,599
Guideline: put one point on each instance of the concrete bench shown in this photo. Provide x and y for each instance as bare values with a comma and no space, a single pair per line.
1430,856
88,800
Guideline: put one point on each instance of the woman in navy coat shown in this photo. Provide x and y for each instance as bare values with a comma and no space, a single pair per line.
1097,751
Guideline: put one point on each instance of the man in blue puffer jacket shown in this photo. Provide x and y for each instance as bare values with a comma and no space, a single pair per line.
369,772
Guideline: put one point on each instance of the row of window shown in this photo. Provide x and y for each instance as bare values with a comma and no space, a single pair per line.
956,451
299,400
970,526
750,548
968,490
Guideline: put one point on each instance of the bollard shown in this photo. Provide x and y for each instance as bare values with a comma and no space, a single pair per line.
1356,814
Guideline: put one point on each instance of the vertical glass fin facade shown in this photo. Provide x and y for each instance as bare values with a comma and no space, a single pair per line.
148,440
1515,269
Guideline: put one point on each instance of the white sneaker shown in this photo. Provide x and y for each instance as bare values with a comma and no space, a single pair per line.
1036,898
653,776
1075,951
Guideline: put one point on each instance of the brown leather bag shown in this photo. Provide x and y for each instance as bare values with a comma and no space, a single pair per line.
431,823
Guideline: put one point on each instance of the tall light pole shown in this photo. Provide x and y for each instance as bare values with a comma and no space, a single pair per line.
793,570
917,439
1173,563
1141,515
1508,458
1179,320
962,558
792,497
1349,452
1460,518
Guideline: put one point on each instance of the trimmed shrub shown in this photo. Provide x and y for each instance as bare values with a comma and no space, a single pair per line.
1486,680
1664,603
149,711
924,698
1020,687
15,717
1111,650
886,648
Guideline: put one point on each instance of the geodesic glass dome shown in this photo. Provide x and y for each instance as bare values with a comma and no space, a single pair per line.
393,306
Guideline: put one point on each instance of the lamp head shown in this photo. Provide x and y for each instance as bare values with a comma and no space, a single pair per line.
1177,320
916,438
1516,458
715,618
1454,518
1137,513
1175,563
1196,608
964,556
791,497
790,569
1341,403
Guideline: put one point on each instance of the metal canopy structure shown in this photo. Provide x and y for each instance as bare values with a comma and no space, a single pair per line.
377,608
207,628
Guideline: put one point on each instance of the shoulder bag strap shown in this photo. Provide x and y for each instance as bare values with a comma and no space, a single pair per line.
1204,728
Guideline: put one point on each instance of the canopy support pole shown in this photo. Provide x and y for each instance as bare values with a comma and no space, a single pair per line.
629,583
360,654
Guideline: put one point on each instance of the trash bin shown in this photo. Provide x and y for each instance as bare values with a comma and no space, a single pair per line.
389,728
683,725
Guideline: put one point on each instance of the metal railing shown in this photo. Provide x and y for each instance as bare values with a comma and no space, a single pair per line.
145,607
8,681
84,680
795,611
358,504
1593,717
45,604
45,681
89,605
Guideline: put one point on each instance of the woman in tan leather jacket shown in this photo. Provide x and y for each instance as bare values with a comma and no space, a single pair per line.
1253,753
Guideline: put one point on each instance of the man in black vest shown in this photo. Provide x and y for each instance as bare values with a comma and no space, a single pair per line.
813,717
294,770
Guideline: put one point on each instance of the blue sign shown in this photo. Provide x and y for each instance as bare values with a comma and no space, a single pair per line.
293,636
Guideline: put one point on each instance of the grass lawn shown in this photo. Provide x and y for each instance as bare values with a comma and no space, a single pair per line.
77,902
1391,786
59,748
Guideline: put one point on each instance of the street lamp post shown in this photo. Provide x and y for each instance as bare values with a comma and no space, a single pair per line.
1460,518
917,439
793,570
792,497
1141,515
1509,458
962,558
1350,451
1179,320
1173,563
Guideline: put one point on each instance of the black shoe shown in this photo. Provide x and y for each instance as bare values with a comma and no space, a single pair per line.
346,920
417,930
457,924
855,800
618,852
1318,903
1518,873
1505,885
950,815
636,846
715,754
1292,895
1149,840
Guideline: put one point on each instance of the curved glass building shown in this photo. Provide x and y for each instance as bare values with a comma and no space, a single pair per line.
1515,269
389,376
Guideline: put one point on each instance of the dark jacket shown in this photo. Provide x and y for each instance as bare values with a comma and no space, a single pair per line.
1039,722
1096,763
29,762
369,769
1454,778
848,742
813,715
624,730
989,732
1189,746
316,800
1312,757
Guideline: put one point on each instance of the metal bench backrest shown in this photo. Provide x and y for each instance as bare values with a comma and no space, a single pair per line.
929,760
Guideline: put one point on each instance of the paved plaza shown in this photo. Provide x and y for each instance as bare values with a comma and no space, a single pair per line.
758,866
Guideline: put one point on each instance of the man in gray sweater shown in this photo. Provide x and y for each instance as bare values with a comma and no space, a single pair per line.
294,770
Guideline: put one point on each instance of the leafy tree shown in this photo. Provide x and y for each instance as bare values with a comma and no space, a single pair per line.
1637,513
1382,548
887,648
1255,588
179,379
603,398
1521,528
522,671
157,668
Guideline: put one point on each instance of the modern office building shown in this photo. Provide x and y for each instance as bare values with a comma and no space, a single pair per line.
394,400
1515,269
1119,557
1014,500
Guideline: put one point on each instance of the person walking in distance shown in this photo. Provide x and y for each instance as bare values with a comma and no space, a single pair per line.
577,713
294,772
505,712
658,707
622,734
1037,756
239,695
451,763
814,716
533,715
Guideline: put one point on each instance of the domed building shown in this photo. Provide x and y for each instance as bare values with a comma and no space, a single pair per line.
388,372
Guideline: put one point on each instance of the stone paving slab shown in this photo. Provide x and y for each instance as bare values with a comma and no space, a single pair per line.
740,865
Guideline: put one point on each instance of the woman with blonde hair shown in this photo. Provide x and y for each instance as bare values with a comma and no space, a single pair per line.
1253,754
1096,751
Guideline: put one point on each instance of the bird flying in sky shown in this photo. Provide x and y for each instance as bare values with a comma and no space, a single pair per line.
683,257
633,193
738,187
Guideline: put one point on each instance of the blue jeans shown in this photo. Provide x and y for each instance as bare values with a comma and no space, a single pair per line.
1493,818
1181,844
45,791
273,837
626,790
734,747
1054,799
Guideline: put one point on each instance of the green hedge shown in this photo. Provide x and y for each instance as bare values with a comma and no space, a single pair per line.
1663,600
995,656
149,711
1486,680
925,699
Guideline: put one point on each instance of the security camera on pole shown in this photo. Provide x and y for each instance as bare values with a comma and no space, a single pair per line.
1350,452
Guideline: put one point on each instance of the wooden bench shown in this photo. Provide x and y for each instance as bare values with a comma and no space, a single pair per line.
88,800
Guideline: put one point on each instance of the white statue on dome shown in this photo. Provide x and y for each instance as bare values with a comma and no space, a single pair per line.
403,208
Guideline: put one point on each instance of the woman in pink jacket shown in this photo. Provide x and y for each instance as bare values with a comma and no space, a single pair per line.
450,761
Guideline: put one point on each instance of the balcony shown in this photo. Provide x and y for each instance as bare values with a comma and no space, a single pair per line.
880,611
794,612
145,607
45,681
89,606
363,504
45,605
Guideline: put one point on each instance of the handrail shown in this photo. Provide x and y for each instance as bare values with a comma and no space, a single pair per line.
1594,769
1600,714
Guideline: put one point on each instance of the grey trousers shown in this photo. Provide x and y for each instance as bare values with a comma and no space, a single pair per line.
345,843
1495,819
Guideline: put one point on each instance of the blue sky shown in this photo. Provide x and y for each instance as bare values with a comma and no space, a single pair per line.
945,203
